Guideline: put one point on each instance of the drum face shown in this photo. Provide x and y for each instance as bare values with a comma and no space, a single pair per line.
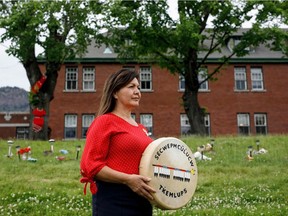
171,165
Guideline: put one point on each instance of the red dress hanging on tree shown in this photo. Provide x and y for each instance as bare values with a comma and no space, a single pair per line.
38,120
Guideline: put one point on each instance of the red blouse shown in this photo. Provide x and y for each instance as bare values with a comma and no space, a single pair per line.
112,142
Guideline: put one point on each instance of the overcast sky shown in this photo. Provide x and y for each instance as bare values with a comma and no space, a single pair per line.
12,72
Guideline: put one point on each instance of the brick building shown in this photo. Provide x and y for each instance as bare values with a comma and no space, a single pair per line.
249,97
14,125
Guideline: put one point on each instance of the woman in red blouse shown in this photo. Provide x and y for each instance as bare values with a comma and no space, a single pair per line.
113,150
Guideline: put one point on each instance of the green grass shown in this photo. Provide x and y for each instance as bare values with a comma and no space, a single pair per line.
229,184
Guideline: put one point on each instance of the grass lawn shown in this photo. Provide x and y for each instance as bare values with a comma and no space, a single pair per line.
229,184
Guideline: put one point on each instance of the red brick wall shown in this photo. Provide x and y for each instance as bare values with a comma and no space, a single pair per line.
8,128
164,102
224,103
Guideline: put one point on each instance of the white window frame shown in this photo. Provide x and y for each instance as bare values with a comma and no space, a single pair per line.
207,123
70,126
185,125
22,133
202,75
71,81
260,121
128,42
257,79
147,121
234,41
181,83
185,128
146,78
240,79
88,79
243,123
107,50
87,119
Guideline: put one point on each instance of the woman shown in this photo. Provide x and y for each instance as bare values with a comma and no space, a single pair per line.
113,150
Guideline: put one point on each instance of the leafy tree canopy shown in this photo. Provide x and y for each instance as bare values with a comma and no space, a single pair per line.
62,29
184,45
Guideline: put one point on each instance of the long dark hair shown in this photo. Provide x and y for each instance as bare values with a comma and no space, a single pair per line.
114,83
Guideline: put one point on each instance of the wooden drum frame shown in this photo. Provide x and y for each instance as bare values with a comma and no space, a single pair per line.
171,165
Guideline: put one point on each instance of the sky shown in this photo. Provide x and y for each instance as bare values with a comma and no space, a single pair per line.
12,72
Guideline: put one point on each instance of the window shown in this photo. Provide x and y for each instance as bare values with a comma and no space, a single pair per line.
207,124
260,123
234,41
88,78
133,115
128,42
107,50
202,75
257,79
147,121
86,122
240,78
22,132
70,126
184,124
181,83
71,79
146,78
243,124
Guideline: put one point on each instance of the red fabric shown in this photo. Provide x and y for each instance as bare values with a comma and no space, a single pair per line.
93,187
36,87
38,121
36,128
39,112
124,142
24,150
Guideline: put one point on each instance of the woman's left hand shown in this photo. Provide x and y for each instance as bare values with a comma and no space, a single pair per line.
139,184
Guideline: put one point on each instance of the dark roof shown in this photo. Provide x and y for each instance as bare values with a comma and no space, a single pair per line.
257,54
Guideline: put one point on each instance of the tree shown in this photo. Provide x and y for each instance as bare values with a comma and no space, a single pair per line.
62,29
183,46
274,15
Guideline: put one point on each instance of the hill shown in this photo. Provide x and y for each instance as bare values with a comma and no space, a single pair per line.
13,99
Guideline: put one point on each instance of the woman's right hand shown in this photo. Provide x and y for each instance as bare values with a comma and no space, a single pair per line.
139,184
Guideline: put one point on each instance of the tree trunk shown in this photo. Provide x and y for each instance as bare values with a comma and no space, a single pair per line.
43,134
44,96
194,113
192,108
36,99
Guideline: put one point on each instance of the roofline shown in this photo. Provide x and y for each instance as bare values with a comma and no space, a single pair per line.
210,60
15,112
14,125
251,60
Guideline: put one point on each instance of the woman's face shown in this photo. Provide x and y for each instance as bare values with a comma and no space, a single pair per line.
129,96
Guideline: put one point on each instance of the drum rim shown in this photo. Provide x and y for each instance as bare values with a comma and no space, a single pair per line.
144,170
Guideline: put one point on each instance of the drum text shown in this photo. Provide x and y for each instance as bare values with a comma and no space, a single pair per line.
172,194
174,146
